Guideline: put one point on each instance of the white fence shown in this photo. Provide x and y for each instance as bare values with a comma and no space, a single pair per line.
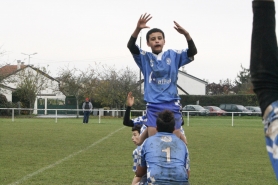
101,112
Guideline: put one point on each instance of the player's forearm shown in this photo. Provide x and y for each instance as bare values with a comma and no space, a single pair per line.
187,36
136,32
141,171
142,137
192,50
135,180
127,121
132,47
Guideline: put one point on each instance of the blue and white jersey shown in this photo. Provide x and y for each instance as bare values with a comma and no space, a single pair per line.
143,128
136,150
166,158
139,120
161,73
135,158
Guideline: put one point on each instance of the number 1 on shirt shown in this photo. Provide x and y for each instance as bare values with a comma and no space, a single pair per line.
167,150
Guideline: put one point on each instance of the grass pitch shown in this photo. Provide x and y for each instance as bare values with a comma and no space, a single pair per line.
40,151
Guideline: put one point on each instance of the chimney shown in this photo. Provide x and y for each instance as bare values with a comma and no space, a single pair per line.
22,64
18,64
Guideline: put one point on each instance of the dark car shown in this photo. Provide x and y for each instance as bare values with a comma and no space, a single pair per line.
198,110
255,109
215,111
239,110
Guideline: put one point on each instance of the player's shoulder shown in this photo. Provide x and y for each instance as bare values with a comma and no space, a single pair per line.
143,52
176,51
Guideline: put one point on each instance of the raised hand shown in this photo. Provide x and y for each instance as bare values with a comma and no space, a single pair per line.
141,24
181,30
143,21
129,99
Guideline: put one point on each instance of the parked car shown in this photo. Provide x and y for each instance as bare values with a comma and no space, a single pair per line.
199,110
256,109
215,111
239,109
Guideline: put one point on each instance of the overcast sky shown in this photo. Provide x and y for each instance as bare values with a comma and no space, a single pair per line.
77,32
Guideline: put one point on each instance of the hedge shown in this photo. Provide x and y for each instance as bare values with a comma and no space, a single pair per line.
216,100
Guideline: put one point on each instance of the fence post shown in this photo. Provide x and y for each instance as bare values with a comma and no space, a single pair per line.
232,119
56,116
188,119
12,115
98,116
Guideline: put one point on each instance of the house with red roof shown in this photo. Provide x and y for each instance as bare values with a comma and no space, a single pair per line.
11,78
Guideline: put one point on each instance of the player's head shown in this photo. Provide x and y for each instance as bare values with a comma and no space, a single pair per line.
165,121
86,99
155,40
135,134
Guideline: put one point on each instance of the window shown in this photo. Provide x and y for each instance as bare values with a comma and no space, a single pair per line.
229,107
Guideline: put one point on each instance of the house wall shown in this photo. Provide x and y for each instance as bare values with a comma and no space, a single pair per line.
191,85
50,90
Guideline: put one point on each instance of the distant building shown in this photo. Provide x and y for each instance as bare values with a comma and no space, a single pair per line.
190,85
8,86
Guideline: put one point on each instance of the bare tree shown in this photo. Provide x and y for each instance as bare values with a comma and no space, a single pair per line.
105,84
243,82
223,87
71,84
114,85
90,80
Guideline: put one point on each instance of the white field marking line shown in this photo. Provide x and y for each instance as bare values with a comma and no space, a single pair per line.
64,159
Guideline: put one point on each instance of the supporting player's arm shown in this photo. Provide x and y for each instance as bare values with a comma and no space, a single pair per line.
127,121
143,136
135,180
192,50
129,103
140,171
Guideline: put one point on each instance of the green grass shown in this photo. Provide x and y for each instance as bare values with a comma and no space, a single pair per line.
40,151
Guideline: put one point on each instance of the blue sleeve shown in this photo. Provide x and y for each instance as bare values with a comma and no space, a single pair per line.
182,58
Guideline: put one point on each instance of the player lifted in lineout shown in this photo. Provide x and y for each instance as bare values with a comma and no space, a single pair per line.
160,70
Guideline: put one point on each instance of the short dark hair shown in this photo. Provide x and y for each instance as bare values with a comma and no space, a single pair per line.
165,121
136,128
153,31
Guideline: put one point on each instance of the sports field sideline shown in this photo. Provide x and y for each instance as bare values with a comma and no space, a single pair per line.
40,151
